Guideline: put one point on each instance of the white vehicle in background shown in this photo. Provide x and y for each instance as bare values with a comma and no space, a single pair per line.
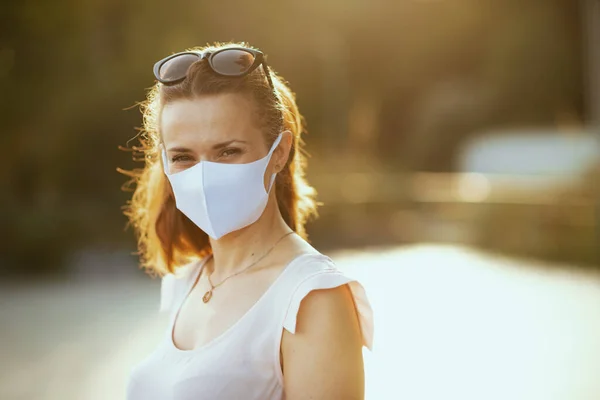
541,158
539,192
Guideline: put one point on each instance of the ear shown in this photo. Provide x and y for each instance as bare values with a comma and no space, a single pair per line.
282,152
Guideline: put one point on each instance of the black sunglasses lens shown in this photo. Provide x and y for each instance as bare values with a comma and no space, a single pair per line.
177,67
232,62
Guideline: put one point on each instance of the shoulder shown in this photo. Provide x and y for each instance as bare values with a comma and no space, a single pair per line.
327,312
320,289
325,316
324,334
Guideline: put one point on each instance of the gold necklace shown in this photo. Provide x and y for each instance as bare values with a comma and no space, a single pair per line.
208,295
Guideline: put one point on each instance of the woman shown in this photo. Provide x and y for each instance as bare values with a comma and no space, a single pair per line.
219,209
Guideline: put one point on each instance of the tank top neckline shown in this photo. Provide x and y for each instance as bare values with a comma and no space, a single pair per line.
196,277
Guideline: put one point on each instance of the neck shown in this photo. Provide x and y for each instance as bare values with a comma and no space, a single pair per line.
238,249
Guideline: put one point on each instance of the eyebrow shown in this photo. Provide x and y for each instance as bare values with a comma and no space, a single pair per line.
215,147
227,143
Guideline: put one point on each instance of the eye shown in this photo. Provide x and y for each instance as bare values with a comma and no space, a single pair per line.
180,158
229,152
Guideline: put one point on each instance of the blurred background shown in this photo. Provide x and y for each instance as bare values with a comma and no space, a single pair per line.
455,145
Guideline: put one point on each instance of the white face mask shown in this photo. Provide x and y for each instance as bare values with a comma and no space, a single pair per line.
222,198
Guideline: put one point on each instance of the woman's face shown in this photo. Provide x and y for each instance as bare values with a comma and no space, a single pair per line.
220,128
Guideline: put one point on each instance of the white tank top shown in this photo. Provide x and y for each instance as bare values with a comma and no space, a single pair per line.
243,362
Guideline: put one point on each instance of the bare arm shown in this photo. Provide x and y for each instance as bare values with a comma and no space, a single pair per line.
323,359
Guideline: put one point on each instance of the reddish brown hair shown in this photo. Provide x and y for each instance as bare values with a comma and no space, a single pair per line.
166,237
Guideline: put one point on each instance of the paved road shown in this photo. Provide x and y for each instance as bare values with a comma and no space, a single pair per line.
451,323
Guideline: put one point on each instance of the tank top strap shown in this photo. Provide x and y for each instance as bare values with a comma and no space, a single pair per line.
314,272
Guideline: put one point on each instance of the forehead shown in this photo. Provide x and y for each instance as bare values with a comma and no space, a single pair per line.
209,119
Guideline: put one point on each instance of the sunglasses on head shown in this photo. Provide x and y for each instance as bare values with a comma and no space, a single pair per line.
233,61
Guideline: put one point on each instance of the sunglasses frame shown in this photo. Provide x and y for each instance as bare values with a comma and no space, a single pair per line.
259,59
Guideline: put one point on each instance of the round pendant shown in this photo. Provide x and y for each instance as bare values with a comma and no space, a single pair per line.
207,296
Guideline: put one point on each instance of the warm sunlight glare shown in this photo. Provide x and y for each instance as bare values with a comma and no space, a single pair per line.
455,324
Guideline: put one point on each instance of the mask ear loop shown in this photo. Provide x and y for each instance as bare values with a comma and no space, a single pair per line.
273,147
163,153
